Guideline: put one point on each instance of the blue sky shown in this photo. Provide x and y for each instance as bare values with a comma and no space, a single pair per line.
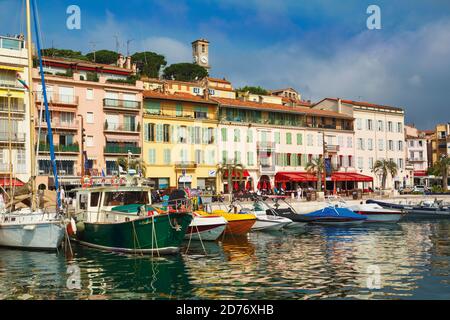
320,47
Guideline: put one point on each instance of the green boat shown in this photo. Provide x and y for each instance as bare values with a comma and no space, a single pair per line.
121,219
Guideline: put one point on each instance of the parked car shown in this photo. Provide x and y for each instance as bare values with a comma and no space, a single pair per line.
420,188
406,190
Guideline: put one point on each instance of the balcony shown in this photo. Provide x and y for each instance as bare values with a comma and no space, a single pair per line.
118,149
71,148
121,104
16,137
332,148
59,99
4,167
185,165
20,108
267,169
416,159
121,127
60,125
11,84
265,145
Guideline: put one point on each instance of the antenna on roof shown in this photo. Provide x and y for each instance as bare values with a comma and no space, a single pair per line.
117,42
128,46
93,45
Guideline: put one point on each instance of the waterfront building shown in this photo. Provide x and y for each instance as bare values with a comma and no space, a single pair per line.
441,142
416,154
379,134
180,144
103,100
14,110
274,143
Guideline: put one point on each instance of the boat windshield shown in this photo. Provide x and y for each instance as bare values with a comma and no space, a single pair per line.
121,198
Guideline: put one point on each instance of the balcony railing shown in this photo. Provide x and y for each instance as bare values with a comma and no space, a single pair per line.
60,148
74,125
116,149
332,147
59,99
265,145
15,137
118,103
266,168
10,84
14,108
416,159
185,164
4,167
120,127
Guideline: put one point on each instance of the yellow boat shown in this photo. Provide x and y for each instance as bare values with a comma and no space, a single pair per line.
238,223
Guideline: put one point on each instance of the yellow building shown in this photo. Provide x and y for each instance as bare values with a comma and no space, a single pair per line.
179,146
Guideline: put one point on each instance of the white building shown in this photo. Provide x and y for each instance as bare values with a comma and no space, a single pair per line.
416,153
379,134
14,110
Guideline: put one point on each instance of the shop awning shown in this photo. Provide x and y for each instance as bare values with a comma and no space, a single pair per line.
120,138
420,173
4,182
236,174
11,68
350,176
295,177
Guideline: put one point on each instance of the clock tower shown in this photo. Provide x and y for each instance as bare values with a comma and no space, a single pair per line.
200,52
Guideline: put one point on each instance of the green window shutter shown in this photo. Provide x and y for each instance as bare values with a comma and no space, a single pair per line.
293,160
152,107
167,153
277,137
224,156
250,158
237,137
151,156
250,136
304,160
299,139
224,134
288,138
159,133
179,110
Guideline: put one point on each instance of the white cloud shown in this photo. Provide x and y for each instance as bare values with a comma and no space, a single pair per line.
174,50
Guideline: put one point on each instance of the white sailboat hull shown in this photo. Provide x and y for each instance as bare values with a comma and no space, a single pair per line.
30,233
270,223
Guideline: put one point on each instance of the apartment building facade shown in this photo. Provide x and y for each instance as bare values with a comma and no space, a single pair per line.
416,152
180,140
14,111
379,134
441,142
97,99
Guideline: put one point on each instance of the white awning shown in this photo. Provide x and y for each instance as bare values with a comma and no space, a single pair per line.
121,138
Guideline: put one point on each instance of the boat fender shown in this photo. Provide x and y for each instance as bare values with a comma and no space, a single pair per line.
80,226
71,227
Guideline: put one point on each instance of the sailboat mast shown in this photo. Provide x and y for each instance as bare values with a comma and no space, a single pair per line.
31,106
10,147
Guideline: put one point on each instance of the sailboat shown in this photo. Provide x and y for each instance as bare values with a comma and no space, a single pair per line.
32,227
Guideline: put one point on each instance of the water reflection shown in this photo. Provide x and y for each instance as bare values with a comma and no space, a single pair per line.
314,262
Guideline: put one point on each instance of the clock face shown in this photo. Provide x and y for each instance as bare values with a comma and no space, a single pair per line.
204,59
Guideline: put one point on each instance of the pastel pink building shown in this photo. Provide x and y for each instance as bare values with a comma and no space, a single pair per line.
101,99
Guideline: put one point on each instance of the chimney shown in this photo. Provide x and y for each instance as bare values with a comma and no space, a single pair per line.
120,61
134,68
128,63
339,105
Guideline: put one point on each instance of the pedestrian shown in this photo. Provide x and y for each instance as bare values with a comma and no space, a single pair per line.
62,197
2,201
299,192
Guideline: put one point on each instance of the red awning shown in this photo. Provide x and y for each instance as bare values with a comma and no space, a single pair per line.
4,182
295,177
350,176
236,175
420,173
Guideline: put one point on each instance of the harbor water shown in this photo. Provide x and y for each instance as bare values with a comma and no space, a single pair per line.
398,261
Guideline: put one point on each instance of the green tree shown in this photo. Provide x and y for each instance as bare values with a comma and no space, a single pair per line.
185,72
254,90
227,170
103,56
441,168
385,167
63,53
149,63
316,166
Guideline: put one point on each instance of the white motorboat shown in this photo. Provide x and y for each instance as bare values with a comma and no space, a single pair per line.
375,213
31,230
207,228
265,222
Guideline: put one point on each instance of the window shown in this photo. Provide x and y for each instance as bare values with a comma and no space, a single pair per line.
277,137
371,163
399,127
151,156
400,163
182,134
370,144
224,134
369,124
288,138
201,113
95,197
89,141
224,156
199,156
349,142
400,145
90,117
167,156
391,145
66,117
250,159
360,163
341,141
380,144
237,135
299,139
152,107
89,94
390,126
380,125
309,140
359,124
159,132
360,144
237,156
150,132
250,136
166,135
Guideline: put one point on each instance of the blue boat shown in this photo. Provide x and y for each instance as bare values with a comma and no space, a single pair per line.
334,216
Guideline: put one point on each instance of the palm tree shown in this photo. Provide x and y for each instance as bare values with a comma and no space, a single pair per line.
227,169
385,167
440,168
316,166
